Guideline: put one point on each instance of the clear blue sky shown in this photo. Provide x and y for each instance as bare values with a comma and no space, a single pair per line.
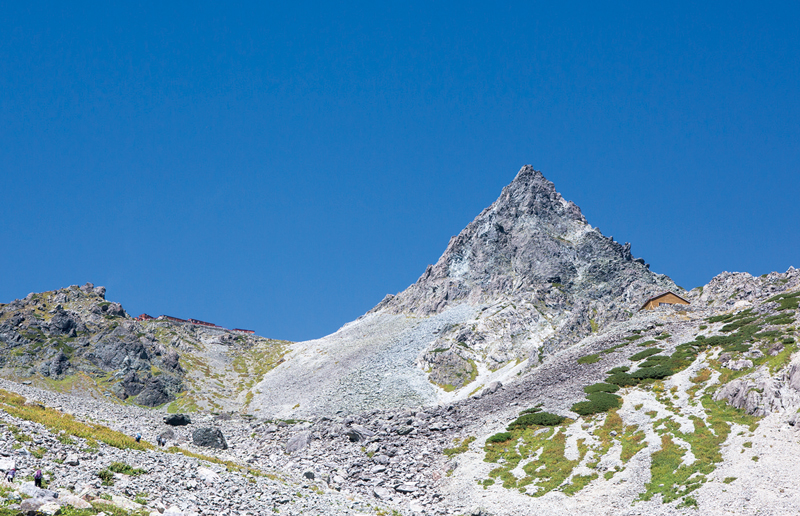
283,167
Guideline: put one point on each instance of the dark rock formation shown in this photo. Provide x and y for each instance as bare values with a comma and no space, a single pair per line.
177,420
209,438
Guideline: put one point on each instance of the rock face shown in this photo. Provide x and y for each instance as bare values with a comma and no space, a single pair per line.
548,276
75,332
209,438
527,278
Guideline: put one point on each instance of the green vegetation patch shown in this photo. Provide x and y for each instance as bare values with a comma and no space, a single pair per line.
548,472
656,372
614,348
125,469
502,437
780,319
673,479
597,402
646,353
460,446
786,301
589,359
536,419
600,387
57,422
622,379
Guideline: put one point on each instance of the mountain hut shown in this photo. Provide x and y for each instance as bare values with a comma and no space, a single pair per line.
667,298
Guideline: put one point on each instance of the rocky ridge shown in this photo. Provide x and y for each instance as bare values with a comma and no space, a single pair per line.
74,339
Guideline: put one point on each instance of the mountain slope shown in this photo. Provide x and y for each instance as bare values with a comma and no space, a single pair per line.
527,277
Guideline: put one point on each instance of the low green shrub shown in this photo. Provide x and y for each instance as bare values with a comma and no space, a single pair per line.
620,369
589,359
644,354
121,467
647,344
622,379
500,438
597,402
106,476
656,372
780,319
531,410
537,419
601,387
738,324
786,301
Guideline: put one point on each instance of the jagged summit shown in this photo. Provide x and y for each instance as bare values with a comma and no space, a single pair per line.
550,275
527,241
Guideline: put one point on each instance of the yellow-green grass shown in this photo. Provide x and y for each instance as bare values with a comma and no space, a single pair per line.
56,422
460,446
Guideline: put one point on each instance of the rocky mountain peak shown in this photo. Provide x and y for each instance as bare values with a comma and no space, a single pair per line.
530,240
538,275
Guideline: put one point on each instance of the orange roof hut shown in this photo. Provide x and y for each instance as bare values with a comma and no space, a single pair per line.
667,298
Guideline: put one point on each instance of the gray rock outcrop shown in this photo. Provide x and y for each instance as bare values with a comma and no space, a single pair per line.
298,442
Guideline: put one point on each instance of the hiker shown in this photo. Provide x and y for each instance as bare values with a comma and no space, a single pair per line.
10,474
160,440
138,437
37,478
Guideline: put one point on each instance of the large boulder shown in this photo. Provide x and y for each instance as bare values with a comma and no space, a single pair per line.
298,441
358,433
177,420
45,495
209,438
30,506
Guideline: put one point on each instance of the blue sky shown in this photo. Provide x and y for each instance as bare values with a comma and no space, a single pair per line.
283,167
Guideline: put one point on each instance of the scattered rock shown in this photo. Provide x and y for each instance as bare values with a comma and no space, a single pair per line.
207,475
405,488
381,493
358,433
739,365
